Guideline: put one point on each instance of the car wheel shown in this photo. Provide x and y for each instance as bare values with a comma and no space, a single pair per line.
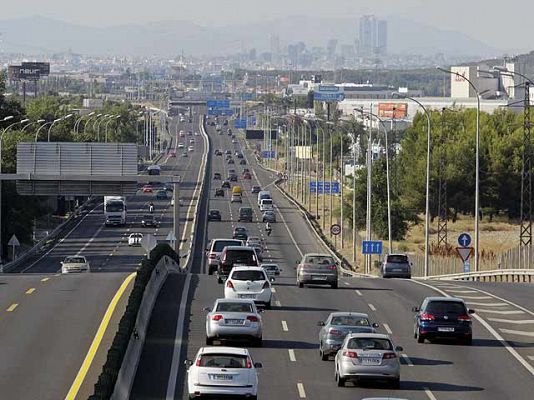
334,285
324,356
209,341
210,271
340,381
395,383
300,284
219,279
420,339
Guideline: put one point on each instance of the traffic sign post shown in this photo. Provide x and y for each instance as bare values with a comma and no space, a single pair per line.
148,242
13,242
329,93
464,253
464,240
335,229
171,238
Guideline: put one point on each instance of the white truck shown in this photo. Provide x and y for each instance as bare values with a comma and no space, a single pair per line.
115,210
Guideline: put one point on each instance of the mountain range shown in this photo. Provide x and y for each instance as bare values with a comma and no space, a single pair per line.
167,38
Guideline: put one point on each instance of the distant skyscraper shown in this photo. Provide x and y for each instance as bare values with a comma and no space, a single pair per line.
275,49
373,36
331,48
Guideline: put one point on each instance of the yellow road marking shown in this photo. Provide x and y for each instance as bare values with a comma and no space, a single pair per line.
73,392
44,279
30,290
12,307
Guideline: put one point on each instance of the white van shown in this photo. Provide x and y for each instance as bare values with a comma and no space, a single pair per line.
264,194
266,205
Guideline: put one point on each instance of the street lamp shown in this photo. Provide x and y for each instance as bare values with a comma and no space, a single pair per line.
477,161
427,195
98,123
107,124
9,117
79,120
32,123
57,120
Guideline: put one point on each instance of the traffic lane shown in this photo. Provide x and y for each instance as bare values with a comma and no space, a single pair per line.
446,368
36,345
14,289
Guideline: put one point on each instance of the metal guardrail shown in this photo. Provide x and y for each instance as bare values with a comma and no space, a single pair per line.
497,275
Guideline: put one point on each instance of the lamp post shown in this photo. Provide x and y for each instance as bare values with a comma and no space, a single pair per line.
57,120
477,162
32,123
79,120
9,117
427,200
98,123
107,124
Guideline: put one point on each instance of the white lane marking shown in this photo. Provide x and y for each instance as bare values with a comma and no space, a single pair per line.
430,394
284,326
460,291
346,283
520,333
477,297
531,358
373,308
358,293
512,321
472,303
490,329
292,355
511,312
175,364
407,360
387,328
278,304
302,392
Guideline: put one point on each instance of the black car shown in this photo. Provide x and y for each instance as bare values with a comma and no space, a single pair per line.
245,214
228,152
240,156
231,161
219,192
149,220
240,232
233,178
217,176
226,185
214,215
243,162
441,318
256,189
225,123
218,152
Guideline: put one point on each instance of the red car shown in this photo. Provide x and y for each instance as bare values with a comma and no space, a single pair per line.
172,153
147,189
247,175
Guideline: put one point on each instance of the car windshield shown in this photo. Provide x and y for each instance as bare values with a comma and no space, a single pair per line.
235,307
318,259
271,267
369,344
75,260
223,361
219,245
349,320
445,307
214,212
248,275
148,217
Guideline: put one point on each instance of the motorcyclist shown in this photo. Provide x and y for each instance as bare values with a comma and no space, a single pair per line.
268,228
151,207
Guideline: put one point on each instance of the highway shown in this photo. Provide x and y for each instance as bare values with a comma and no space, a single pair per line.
49,320
499,365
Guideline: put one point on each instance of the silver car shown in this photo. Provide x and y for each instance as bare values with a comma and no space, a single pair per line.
317,269
234,319
368,356
337,326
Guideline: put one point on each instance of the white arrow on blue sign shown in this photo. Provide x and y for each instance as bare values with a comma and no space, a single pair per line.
464,239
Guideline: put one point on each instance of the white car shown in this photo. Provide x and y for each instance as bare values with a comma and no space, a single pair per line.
271,269
190,148
191,140
182,133
226,371
196,133
249,283
135,239
74,264
180,145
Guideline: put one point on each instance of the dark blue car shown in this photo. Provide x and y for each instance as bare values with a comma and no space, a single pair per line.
443,318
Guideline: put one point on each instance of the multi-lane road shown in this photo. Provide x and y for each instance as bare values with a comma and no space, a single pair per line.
499,364
48,321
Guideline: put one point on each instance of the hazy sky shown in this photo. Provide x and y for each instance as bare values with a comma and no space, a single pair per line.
503,24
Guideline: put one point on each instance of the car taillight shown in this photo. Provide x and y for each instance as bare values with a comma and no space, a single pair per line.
389,356
212,256
332,267
229,284
217,317
464,318
198,362
350,354
266,285
252,318
249,362
426,317
334,332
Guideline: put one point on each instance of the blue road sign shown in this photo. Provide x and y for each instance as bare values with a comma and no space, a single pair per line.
328,97
247,96
227,112
268,154
240,123
467,266
218,103
324,187
464,240
372,247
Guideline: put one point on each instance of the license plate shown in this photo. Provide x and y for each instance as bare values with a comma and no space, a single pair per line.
220,377
319,278
370,361
247,296
234,322
397,270
445,329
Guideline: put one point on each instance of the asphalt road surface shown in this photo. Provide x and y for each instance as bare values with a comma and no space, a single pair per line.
499,364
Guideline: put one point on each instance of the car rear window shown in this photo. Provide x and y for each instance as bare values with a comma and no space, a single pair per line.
349,320
446,307
319,260
245,257
223,361
219,245
369,344
397,259
75,260
248,276
234,307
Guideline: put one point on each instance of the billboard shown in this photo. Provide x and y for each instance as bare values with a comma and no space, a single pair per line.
28,71
393,110
259,134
